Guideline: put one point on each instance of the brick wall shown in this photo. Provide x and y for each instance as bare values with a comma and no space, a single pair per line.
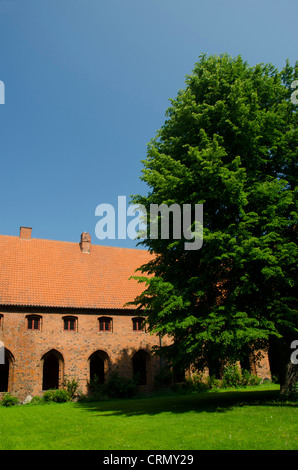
27,347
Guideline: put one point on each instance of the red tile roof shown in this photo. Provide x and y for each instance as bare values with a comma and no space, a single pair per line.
36,272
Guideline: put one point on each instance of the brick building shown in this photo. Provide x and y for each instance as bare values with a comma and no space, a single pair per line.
63,314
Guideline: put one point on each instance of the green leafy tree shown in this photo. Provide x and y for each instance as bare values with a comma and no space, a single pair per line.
229,142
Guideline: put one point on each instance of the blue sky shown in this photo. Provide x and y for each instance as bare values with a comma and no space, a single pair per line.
87,84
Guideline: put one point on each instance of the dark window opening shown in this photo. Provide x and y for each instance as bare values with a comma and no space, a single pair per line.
105,324
97,370
138,324
33,323
69,323
4,374
139,363
50,372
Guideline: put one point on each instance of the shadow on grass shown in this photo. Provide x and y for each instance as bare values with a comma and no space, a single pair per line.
218,402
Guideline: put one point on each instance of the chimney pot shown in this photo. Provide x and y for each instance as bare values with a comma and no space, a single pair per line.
25,232
85,242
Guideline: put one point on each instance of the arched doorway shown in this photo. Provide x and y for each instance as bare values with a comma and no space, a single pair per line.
6,372
99,364
140,366
52,370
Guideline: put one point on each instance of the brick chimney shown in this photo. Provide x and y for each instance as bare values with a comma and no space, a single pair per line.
25,232
85,242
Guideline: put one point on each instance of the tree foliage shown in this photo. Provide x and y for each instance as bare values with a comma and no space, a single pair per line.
229,142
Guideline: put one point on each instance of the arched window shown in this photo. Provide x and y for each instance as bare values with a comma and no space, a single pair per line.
105,324
70,323
138,324
99,364
33,322
1,321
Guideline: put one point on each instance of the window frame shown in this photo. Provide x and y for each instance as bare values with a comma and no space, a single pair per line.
104,321
69,320
32,321
138,324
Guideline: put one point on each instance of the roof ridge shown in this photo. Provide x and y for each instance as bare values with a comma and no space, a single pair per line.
74,243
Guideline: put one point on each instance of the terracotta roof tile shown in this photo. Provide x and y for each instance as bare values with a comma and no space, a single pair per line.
50,273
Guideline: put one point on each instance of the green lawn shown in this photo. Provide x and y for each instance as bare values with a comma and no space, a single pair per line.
215,420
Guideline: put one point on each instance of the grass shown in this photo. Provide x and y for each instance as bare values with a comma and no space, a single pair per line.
243,419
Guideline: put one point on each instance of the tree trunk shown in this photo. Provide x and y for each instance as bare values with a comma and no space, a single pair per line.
290,384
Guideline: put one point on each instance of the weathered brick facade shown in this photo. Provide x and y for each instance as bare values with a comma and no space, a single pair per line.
27,348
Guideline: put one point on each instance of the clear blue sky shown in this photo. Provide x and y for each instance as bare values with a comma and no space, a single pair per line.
87,84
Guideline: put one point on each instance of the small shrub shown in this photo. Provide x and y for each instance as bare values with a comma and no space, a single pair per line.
245,377
71,386
37,400
231,376
293,392
254,380
56,395
95,386
194,383
119,387
9,400
275,379
213,383
197,383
